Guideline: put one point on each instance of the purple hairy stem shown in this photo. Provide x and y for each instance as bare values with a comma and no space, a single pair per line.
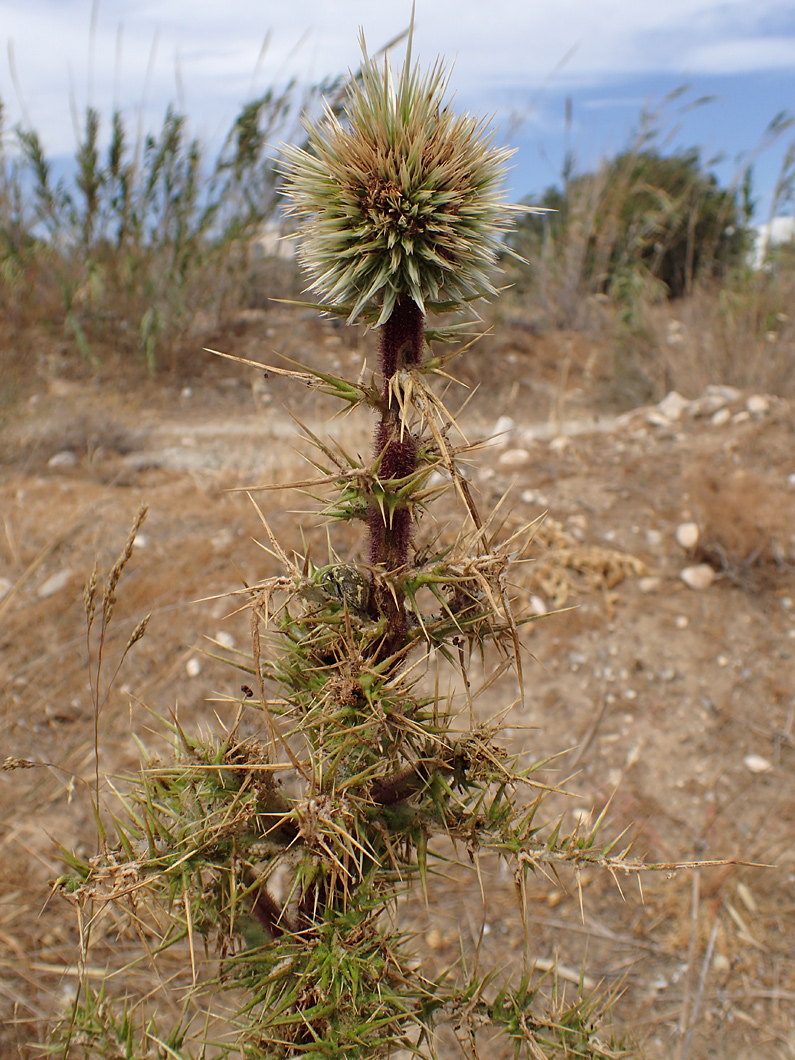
402,338
401,347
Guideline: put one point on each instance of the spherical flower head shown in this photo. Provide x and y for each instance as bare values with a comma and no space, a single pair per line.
399,198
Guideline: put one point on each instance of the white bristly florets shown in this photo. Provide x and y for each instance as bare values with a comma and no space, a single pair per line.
401,197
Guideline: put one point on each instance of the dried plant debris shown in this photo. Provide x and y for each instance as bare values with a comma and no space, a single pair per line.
564,564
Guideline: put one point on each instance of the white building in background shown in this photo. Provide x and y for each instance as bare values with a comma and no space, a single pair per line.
776,233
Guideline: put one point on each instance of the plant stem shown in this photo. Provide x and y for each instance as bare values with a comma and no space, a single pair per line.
395,457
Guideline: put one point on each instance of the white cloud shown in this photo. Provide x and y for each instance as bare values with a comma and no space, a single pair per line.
743,56
211,50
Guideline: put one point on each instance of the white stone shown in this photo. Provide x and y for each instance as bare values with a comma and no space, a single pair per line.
66,458
707,404
673,405
728,393
54,584
713,398
656,418
682,622
757,764
533,497
757,404
504,427
141,541
721,963
557,445
226,640
649,585
687,535
193,667
513,458
537,605
720,417
654,538
223,539
699,577
741,416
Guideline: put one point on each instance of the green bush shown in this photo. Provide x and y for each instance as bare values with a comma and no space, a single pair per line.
641,218
145,238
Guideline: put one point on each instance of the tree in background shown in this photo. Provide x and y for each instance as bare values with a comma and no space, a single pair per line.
643,219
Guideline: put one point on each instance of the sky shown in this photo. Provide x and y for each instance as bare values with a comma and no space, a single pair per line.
515,61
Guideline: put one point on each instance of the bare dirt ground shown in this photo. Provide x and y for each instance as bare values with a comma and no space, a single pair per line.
677,703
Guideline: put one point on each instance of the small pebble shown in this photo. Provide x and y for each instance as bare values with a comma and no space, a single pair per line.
54,584
513,458
649,584
193,667
66,458
698,577
537,606
226,640
757,764
534,497
673,405
720,417
657,419
504,427
687,535
727,393
757,404
682,622
223,539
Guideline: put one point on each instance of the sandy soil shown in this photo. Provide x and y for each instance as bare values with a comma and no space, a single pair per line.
676,703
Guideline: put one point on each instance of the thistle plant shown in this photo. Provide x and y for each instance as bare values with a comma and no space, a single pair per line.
294,883
402,213
402,201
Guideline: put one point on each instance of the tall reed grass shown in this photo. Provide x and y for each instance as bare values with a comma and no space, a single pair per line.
147,243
